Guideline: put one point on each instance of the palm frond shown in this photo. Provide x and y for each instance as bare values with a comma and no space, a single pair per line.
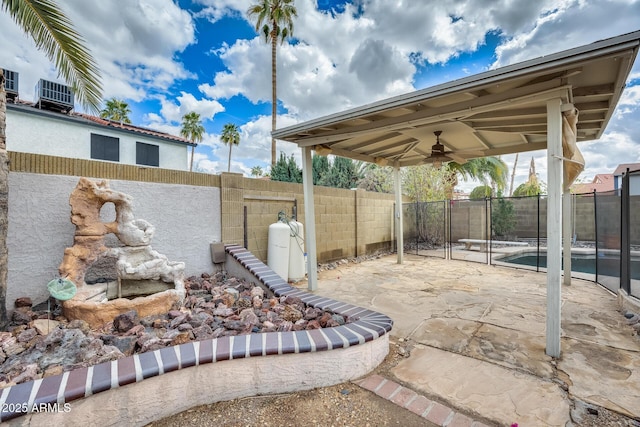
53,33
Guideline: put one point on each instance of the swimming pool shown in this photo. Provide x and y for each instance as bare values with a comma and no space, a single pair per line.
608,265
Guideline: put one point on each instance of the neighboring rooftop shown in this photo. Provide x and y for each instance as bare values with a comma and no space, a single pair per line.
601,182
622,168
31,108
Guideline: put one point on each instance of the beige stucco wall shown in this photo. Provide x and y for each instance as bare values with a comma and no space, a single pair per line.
186,218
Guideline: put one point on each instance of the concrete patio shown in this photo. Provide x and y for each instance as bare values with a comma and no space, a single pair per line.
478,335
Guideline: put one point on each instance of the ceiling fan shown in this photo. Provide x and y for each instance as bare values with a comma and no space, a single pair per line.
440,155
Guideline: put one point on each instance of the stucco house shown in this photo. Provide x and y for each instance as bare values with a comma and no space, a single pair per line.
50,126
634,181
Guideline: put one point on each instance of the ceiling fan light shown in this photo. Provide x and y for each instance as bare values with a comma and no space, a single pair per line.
322,150
380,161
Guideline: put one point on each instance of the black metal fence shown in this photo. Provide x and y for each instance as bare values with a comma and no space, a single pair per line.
425,231
605,235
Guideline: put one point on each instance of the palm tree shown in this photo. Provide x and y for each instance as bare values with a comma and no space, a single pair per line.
513,175
257,171
274,19
53,33
230,135
488,170
193,130
116,110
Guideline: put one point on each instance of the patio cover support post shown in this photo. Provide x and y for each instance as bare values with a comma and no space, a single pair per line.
567,235
554,220
398,213
310,219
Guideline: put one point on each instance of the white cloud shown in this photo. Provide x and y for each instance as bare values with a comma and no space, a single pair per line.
134,44
369,51
172,112
568,24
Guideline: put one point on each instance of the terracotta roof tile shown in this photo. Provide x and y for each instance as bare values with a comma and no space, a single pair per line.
113,124
130,127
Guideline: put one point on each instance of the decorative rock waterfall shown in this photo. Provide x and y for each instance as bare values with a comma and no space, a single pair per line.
136,260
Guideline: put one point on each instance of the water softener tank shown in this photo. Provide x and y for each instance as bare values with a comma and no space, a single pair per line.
296,251
278,249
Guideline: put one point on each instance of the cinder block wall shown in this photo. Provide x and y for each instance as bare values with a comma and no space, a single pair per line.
348,222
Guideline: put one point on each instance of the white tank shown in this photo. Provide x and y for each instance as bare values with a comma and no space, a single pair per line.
296,251
278,250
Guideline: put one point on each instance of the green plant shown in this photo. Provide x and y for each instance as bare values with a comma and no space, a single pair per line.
286,170
193,130
480,192
503,217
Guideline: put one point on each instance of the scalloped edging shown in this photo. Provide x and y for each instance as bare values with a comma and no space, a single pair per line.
145,387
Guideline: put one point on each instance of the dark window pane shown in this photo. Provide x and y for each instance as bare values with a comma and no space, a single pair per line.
147,154
105,148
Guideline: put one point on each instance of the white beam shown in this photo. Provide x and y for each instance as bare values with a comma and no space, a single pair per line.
554,220
398,213
310,219
567,235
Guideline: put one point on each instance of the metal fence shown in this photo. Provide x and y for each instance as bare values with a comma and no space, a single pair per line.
425,228
511,232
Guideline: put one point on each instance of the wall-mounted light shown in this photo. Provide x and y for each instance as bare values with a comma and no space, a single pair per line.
322,150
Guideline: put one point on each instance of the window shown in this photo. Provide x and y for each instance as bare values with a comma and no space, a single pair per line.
147,154
105,147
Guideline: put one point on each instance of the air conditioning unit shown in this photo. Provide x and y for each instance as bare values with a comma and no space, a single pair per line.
11,84
54,96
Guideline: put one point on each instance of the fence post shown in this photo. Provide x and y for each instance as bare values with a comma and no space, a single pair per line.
625,235
487,209
538,245
567,221
595,228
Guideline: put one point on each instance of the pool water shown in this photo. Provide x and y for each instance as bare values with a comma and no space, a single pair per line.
607,265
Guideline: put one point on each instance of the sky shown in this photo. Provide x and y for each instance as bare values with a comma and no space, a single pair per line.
166,58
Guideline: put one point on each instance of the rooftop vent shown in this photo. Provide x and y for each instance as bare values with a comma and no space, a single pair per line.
11,84
54,96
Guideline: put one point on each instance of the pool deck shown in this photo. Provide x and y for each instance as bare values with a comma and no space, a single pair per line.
476,335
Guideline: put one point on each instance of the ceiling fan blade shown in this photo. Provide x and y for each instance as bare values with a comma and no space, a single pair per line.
456,158
474,153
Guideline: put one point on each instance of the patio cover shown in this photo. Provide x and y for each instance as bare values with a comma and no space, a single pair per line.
513,109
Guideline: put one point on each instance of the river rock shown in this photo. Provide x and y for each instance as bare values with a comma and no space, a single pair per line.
126,321
79,324
53,370
153,344
45,326
202,332
249,316
135,331
126,345
22,316
179,320
29,373
338,319
27,335
230,297
324,319
257,291
291,313
313,324
23,302
223,311
185,327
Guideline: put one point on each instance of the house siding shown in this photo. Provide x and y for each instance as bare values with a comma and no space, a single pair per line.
37,133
